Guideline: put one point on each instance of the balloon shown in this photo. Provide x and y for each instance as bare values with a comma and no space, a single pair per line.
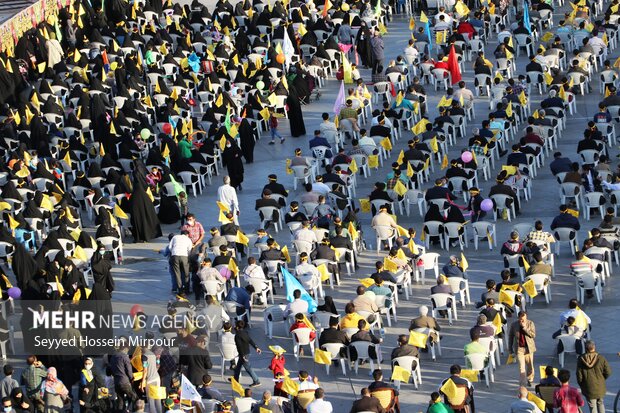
486,205
467,157
137,308
167,128
14,292
145,133
260,85
344,7
420,263
280,58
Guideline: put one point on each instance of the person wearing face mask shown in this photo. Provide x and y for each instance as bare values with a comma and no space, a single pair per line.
7,405
151,375
90,383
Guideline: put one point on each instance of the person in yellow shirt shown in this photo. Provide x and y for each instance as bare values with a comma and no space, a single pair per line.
351,317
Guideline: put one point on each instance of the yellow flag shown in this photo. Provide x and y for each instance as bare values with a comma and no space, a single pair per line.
272,99
242,239
237,387
461,8
410,171
119,213
510,360
401,157
402,232
386,144
390,265
223,143
289,170
509,110
420,127
80,254
400,254
285,253
417,339
264,113
449,389
506,298
353,231
497,322
59,287
444,102
365,205
367,282
543,373
464,263
232,266
401,374
322,357
157,392
219,101
434,145
413,247
13,223
530,288
302,30
526,265
322,269
35,101
423,17
509,54
471,375
444,162
535,115
373,161
400,188
581,321
353,166
440,37
607,91
41,67
547,36
540,403
411,23
291,387
548,78
6,281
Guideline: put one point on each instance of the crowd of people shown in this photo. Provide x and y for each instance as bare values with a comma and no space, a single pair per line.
114,113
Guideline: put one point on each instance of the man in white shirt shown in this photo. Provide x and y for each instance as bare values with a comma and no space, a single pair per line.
180,247
208,273
468,96
319,405
319,187
306,382
597,43
227,195
307,273
306,234
253,271
328,129
411,53
446,17
297,305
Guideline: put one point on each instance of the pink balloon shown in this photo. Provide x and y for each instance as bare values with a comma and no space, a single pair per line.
467,157
137,308
486,205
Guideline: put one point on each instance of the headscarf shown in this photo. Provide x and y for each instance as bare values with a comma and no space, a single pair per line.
53,385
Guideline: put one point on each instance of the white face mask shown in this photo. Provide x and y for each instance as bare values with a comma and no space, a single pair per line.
88,366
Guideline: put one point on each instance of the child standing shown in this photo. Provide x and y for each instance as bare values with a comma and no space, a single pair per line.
279,372
273,127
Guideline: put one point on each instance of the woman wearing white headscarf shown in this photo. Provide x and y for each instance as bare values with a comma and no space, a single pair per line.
53,392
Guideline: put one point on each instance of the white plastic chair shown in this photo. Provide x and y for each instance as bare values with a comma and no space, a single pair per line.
406,362
542,285
301,337
229,352
477,362
431,262
568,343
432,345
588,281
334,350
482,230
361,348
384,233
439,301
455,284
565,235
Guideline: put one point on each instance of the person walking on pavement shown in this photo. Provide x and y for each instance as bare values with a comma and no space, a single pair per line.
180,248
592,372
377,51
522,345
243,341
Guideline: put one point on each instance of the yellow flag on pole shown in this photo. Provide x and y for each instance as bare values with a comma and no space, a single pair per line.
530,288
237,387
286,253
322,357
471,375
242,238
540,403
464,263
423,17
449,389
291,387
400,188
506,298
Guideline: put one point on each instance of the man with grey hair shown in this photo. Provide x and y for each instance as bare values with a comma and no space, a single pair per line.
592,372
484,329
427,322
227,195
522,404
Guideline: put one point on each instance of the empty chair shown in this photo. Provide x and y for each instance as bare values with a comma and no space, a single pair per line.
565,235
484,230
271,315
428,261
568,346
406,362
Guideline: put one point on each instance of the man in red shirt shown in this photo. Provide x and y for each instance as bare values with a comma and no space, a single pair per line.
531,137
440,64
567,398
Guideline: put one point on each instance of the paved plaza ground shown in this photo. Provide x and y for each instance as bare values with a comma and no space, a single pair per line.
143,278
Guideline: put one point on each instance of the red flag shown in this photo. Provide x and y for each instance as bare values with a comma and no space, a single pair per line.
392,90
453,66
325,8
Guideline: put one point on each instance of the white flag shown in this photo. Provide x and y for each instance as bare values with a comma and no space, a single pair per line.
340,99
287,49
188,390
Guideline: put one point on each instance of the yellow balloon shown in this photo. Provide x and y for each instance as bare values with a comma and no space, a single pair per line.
344,7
